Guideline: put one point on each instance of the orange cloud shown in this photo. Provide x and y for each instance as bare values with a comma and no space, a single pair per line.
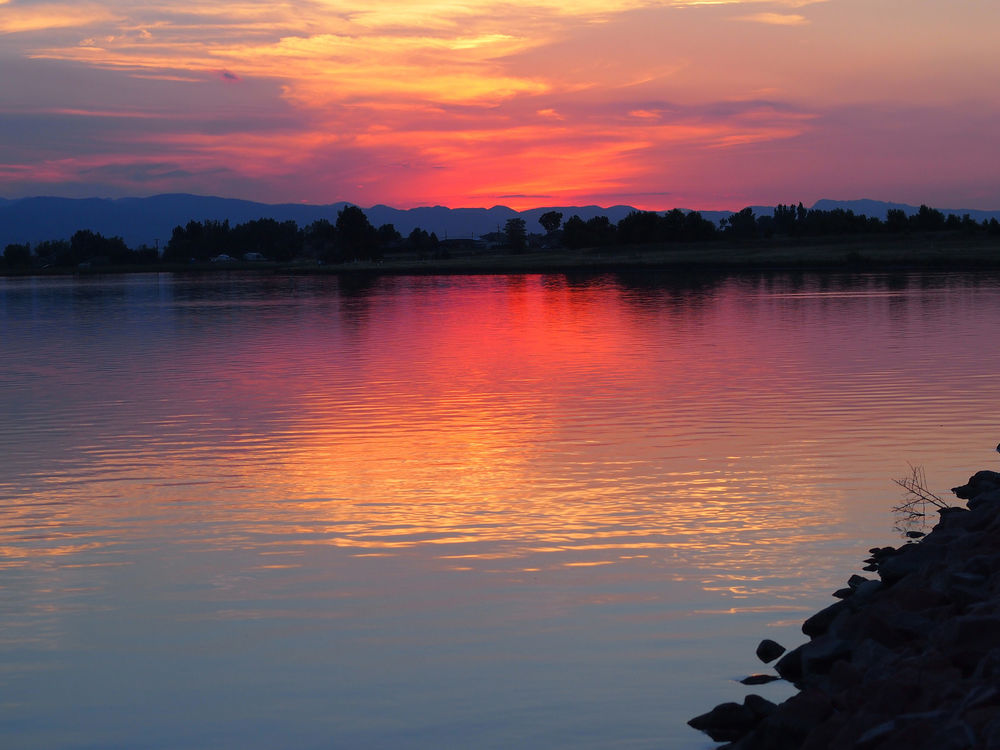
24,18
776,19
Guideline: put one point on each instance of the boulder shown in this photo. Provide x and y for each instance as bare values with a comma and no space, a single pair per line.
820,622
768,650
981,481
726,722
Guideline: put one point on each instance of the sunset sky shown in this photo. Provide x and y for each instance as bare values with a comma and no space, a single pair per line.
706,104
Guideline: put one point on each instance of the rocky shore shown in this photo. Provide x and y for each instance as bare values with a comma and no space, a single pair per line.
905,661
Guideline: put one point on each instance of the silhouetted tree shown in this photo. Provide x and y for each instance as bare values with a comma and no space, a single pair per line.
741,225
550,221
928,219
601,230
896,221
423,244
969,225
86,245
697,228
786,219
280,241
643,226
356,237
199,241
54,253
387,235
17,255
574,232
320,239
516,235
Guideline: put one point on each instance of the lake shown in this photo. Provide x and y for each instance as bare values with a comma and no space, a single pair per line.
540,512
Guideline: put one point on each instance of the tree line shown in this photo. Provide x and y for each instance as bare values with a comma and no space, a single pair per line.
353,237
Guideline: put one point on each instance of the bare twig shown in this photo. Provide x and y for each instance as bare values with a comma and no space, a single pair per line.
912,510
916,489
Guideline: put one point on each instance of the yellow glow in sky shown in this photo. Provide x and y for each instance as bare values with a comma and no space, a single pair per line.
461,103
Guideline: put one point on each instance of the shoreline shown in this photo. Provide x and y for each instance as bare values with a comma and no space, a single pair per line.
905,661
913,253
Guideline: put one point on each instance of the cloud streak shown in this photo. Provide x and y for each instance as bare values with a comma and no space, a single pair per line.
776,19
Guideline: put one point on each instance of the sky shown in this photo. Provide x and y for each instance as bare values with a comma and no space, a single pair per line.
703,104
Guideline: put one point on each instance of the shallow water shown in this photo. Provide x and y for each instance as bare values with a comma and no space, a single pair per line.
468,512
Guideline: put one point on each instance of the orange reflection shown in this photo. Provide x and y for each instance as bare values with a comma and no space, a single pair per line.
510,425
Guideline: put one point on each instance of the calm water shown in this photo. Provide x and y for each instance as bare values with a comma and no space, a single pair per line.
496,512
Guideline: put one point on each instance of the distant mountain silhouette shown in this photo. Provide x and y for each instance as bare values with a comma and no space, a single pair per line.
150,220
879,209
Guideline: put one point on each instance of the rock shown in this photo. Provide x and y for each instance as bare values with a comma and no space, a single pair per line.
952,517
761,707
990,498
913,559
759,679
820,622
796,718
876,734
865,591
790,666
968,638
768,650
908,661
819,655
981,481
726,722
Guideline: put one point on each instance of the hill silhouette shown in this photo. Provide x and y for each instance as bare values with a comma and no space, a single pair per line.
150,221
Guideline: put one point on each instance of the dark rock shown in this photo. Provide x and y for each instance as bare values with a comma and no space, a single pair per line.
913,559
789,666
819,655
844,676
855,580
876,734
882,552
970,637
759,679
768,650
952,517
981,481
761,707
871,568
865,591
990,498
820,622
726,722
843,593
797,717
915,534
989,666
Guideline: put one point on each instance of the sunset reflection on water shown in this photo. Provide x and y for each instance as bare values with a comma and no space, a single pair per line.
614,470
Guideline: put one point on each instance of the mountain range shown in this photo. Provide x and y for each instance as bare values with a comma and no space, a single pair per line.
151,220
